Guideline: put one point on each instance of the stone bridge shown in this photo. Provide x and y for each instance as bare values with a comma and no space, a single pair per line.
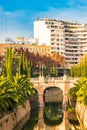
41,84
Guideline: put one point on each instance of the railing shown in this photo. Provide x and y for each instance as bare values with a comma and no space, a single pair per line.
52,79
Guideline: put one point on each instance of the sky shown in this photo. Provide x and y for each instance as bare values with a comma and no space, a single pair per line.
17,16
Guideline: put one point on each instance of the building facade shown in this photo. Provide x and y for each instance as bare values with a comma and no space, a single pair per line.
40,49
67,38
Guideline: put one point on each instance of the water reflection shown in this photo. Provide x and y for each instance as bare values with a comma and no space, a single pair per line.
33,121
53,114
52,117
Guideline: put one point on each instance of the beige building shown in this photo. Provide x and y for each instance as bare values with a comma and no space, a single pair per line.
41,49
67,38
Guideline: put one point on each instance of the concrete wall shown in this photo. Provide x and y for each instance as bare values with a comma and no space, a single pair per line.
10,120
81,112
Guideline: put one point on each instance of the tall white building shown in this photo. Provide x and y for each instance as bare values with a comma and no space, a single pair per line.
67,38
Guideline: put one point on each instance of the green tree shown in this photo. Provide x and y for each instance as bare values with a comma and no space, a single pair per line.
8,95
79,91
82,92
72,71
21,63
7,67
53,72
79,70
15,89
24,65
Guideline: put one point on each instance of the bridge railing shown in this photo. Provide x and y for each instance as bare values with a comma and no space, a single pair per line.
72,78
51,79
54,78
46,79
34,79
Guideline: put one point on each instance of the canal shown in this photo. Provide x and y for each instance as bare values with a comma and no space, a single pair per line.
54,116
51,117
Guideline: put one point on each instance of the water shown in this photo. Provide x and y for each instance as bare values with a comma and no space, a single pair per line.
52,117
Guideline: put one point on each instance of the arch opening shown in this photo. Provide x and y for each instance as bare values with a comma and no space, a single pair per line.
53,94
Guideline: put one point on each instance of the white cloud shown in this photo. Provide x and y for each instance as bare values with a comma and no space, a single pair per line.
82,1
77,2
20,22
71,2
13,24
68,14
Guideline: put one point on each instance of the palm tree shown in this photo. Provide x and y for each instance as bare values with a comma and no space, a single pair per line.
77,86
79,91
14,90
7,95
82,92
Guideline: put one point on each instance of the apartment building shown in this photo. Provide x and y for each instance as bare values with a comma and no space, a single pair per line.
67,38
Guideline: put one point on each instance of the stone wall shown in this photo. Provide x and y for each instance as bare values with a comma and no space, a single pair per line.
10,120
81,112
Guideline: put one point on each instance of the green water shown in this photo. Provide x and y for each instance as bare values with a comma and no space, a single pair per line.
52,117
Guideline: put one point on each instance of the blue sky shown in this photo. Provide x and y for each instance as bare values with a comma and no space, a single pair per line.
17,16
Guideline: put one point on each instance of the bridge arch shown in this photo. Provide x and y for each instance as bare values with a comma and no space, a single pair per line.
53,94
41,84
